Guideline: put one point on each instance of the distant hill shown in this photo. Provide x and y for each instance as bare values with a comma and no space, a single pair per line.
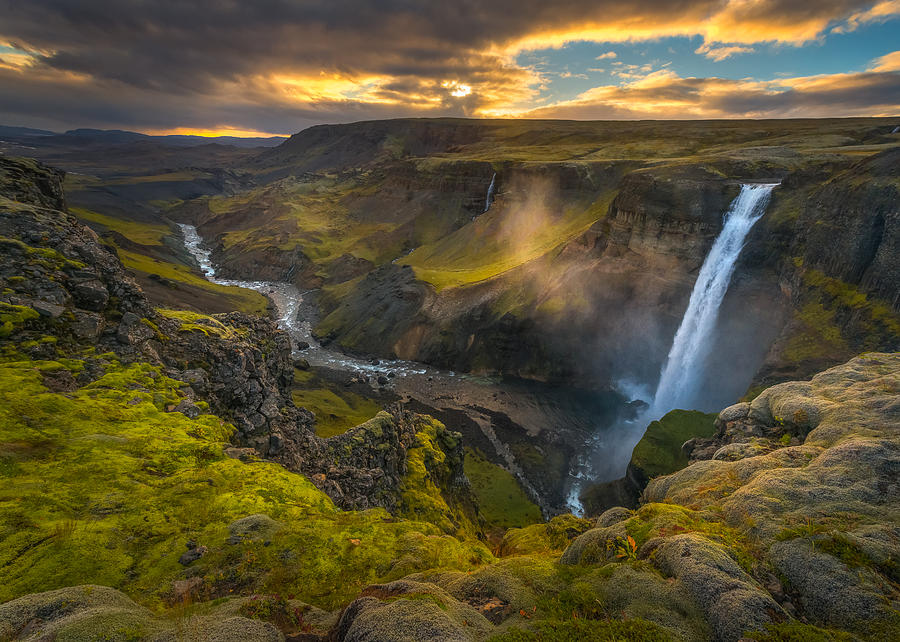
118,136
6,130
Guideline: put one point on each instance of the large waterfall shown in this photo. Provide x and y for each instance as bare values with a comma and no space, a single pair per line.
682,373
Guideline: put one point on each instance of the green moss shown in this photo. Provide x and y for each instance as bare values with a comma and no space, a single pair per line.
578,630
550,538
423,497
501,500
663,520
196,322
43,256
159,335
793,631
819,331
102,486
659,450
14,316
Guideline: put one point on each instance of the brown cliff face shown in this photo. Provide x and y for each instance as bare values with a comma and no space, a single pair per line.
615,292
618,291
837,256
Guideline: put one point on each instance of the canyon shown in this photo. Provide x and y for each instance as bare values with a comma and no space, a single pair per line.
354,339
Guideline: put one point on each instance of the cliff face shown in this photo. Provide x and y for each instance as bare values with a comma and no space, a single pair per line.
836,253
621,286
616,289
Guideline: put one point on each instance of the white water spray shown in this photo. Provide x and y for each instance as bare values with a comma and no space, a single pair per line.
490,193
682,373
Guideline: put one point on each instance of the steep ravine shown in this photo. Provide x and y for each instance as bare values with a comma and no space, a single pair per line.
533,430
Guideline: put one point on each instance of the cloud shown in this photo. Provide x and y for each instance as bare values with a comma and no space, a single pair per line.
880,12
663,94
279,65
608,54
721,52
888,62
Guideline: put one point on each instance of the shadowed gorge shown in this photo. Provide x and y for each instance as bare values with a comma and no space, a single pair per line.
450,379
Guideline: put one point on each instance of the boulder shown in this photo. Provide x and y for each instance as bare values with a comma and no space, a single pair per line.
409,611
730,599
614,515
735,412
90,294
259,527
47,309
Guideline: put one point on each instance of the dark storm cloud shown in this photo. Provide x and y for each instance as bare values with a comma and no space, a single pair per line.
191,63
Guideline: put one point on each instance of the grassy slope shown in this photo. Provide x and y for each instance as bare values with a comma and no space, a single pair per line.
501,500
336,408
147,254
659,450
235,298
500,240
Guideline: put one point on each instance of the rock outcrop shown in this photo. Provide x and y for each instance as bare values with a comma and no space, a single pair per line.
63,288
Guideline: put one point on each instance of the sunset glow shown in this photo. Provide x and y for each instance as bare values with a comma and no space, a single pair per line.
256,72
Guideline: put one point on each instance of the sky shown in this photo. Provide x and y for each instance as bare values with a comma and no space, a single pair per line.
278,66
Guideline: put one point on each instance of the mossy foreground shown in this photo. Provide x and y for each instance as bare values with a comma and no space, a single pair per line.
102,486
160,535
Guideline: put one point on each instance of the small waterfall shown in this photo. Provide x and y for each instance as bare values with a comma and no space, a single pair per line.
682,373
490,193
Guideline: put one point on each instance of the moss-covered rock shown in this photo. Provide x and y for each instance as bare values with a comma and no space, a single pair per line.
87,613
813,506
409,611
551,537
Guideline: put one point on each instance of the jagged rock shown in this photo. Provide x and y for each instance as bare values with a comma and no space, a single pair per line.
197,378
243,454
192,555
188,408
48,309
60,380
87,325
90,295
132,331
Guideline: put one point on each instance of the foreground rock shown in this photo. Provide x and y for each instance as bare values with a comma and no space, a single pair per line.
101,613
792,514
